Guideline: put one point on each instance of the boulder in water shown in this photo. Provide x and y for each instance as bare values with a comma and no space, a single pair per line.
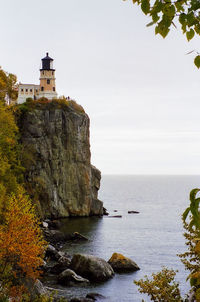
81,300
93,268
95,296
69,277
122,264
77,236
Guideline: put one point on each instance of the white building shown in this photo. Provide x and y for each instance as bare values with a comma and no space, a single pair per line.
47,87
27,91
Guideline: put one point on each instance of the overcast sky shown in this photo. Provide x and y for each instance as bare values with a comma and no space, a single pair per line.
142,92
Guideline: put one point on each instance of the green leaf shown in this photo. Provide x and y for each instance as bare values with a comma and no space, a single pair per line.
195,5
190,34
162,29
145,6
183,19
191,19
179,6
184,28
197,61
155,17
169,10
185,214
193,194
193,281
157,7
166,20
197,29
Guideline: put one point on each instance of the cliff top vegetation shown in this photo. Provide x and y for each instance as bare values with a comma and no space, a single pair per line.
44,103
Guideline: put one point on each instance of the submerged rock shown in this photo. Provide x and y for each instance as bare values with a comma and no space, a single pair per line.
122,264
91,297
93,268
81,300
133,212
95,296
68,277
77,236
54,224
55,237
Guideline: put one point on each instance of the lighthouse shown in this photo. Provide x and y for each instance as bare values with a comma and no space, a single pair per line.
47,87
47,79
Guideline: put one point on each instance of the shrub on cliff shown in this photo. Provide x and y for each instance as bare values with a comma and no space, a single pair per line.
11,171
44,103
67,103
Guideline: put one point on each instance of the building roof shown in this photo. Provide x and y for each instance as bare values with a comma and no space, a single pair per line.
47,57
32,85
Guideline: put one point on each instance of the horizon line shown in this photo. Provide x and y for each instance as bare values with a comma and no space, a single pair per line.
128,174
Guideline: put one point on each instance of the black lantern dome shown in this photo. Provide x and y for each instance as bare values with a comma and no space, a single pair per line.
47,63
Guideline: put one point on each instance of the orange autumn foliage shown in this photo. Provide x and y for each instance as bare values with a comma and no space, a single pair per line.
21,243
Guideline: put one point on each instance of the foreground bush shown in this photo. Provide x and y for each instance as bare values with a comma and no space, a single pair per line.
21,247
162,287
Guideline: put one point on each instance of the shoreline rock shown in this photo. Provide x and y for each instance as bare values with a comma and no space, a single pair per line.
122,264
95,296
69,277
93,268
63,264
105,212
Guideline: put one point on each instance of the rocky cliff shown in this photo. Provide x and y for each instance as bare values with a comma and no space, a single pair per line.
59,173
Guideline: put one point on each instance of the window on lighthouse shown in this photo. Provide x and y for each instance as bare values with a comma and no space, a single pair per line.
48,81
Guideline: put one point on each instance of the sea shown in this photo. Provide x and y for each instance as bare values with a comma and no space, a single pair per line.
152,238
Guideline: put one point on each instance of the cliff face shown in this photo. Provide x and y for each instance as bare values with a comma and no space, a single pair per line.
60,172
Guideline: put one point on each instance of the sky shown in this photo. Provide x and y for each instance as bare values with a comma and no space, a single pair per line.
140,91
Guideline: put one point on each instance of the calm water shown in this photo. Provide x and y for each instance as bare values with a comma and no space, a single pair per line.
152,238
